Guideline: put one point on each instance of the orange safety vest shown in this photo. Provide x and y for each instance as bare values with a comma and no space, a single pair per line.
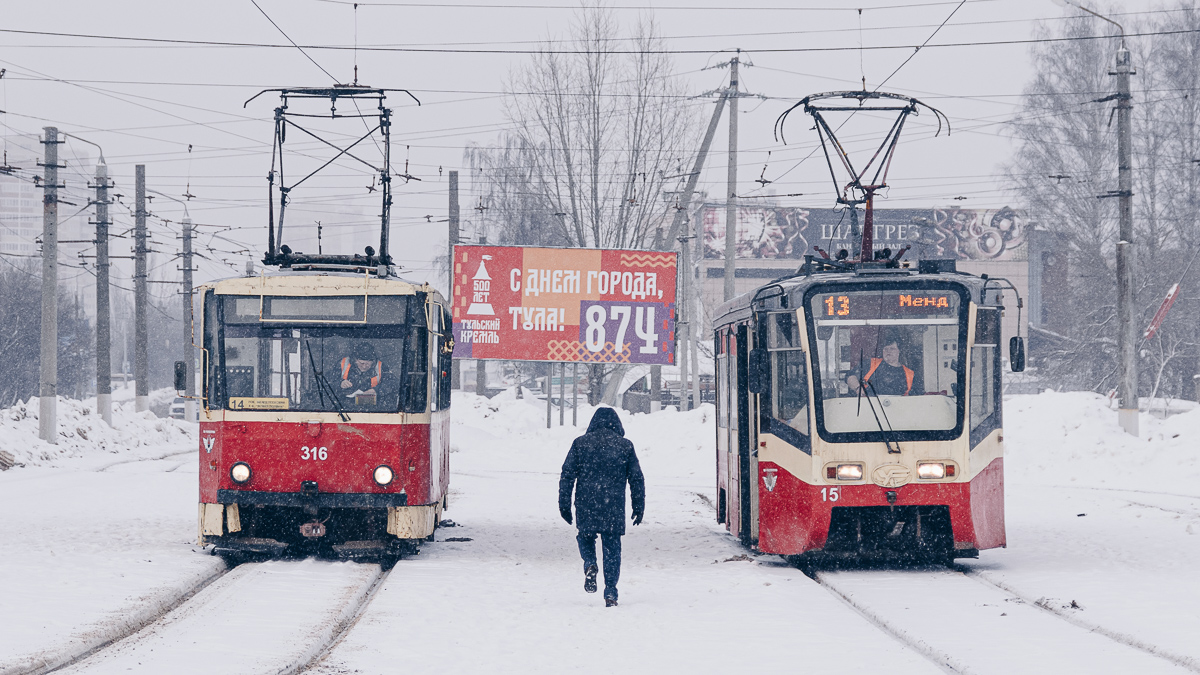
379,372
908,374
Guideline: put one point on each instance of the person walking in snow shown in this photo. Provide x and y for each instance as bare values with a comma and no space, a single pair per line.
597,468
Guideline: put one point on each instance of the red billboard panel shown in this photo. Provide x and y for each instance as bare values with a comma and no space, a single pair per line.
564,304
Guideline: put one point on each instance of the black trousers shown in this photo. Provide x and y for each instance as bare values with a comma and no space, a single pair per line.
611,544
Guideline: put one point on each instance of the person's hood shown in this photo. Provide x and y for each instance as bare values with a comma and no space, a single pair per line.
606,418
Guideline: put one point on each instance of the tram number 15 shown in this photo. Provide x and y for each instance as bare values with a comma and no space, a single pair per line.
831,494
314,453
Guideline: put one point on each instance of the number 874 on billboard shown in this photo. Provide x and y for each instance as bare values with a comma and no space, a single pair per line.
564,304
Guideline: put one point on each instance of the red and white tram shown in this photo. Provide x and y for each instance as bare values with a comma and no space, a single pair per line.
819,453
288,453
325,396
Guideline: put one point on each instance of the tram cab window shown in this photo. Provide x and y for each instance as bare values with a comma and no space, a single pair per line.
309,354
887,360
789,370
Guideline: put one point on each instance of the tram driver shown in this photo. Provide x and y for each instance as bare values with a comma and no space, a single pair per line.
885,376
363,374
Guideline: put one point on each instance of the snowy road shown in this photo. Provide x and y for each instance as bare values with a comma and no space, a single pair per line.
93,552
272,617
1099,575
981,629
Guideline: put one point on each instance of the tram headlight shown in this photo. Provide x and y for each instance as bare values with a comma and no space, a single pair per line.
931,470
383,475
240,472
845,472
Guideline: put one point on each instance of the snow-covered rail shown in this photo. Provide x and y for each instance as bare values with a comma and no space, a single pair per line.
968,626
270,617
98,639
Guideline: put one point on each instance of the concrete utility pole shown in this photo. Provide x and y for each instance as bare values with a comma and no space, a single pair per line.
451,240
731,190
189,353
1127,337
683,322
141,362
103,311
1127,387
48,373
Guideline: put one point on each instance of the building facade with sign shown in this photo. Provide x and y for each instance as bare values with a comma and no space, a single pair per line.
771,241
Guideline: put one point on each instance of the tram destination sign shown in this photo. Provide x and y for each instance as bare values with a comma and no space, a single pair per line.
564,304
855,305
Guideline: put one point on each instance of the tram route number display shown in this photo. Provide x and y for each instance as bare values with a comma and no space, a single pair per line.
862,305
564,304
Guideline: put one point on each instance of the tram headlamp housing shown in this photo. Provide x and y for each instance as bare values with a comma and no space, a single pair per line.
240,472
844,472
383,475
933,470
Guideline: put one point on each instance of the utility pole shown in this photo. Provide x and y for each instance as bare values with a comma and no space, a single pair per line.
731,190
694,304
1127,339
48,365
451,240
141,363
103,311
683,324
189,353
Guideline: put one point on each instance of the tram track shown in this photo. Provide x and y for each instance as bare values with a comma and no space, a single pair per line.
277,617
1190,663
97,640
965,623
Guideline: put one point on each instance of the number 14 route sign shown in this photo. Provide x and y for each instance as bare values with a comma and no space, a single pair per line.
564,304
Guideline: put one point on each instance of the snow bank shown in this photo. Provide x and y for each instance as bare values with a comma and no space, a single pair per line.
82,434
1054,437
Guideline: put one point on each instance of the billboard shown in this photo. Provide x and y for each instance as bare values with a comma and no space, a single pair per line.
564,304
791,232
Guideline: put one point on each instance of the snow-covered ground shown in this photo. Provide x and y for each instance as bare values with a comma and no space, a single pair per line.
1103,532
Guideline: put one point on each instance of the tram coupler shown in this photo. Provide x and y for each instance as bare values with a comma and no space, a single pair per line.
313,530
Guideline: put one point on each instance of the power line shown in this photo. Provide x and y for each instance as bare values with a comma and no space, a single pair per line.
433,50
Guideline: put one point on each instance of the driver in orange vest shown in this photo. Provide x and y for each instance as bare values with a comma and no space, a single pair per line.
885,375
362,370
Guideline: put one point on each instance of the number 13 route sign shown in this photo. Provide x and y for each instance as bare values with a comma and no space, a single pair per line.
564,304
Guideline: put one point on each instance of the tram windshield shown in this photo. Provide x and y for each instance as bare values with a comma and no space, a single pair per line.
888,360
316,354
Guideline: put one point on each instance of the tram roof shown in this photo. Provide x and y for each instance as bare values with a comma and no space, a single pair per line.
318,282
740,307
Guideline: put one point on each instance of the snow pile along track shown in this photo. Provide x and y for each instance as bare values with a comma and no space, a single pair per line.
272,617
967,626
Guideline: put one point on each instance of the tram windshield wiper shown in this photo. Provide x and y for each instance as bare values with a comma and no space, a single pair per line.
867,387
323,386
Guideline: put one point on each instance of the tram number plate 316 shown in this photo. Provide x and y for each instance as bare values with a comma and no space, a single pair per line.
314,453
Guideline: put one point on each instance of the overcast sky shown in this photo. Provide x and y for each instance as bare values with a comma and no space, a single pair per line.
147,102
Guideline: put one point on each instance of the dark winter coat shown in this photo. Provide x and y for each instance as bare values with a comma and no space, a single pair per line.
599,464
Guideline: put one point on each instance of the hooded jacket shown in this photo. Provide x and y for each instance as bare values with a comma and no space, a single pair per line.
597,468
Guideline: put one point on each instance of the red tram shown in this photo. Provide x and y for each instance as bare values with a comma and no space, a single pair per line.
288,453
325,383
819,453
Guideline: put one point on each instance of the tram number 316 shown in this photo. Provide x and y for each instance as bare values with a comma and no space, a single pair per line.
831,494
314,453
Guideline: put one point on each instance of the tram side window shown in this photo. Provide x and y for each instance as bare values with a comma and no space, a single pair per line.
789,376
722,383
444,360
211,384
984,367
416,361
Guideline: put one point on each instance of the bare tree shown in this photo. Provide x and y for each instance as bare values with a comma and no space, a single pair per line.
600,125
1065,165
